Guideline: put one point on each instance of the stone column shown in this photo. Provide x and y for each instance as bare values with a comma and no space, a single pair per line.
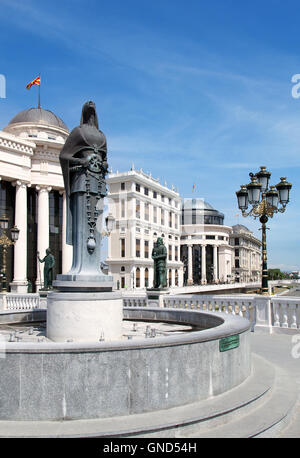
67,250
19,284
173,277
43,229
190,265
203,264
215,262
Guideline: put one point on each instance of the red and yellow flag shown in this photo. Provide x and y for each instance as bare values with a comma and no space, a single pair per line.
193,187
36,81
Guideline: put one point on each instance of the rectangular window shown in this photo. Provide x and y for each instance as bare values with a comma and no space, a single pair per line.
176,221
154,195
137,209
146,249
154,214
146,208
162,198
122,208
170,252
137,187
237,263
122,248
210,237
137,248
162,219
237,252
122,186
176,253
146,191
236,241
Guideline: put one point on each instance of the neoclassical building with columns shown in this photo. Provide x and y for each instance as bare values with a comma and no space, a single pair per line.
32,195
205,249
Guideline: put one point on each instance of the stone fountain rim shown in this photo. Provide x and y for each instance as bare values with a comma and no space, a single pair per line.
228,325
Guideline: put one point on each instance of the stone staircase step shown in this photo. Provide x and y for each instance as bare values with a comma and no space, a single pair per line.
267,420
190,420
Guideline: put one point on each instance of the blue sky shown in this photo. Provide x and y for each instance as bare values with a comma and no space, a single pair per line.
192,91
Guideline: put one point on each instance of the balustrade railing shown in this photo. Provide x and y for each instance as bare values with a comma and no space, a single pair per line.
286,312
21,302
269,312
134,301
233,305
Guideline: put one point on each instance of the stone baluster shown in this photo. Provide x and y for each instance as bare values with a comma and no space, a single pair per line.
294,316
276,308
285,316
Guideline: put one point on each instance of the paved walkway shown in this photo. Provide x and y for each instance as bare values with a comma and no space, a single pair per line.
284,351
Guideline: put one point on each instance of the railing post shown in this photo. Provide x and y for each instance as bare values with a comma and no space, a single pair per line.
263,314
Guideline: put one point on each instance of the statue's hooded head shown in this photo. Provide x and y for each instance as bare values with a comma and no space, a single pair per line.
89,114
159,241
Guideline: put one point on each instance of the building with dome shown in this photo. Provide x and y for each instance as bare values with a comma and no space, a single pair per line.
201,249
32,194
204,244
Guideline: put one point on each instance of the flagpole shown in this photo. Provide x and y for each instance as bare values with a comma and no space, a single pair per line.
40,92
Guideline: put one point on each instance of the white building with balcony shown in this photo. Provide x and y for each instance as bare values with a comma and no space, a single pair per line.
246,261
143,210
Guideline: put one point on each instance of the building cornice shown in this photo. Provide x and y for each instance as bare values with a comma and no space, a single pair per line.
16,144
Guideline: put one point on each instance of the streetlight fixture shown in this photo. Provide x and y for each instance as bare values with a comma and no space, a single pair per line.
6,242
264,201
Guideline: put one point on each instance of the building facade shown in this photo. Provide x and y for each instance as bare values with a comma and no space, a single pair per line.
246,262
205,249
32,194
143,210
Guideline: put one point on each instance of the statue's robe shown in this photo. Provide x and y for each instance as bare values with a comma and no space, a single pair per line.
83,141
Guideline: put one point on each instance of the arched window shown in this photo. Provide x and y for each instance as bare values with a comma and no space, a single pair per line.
138,277
146,277
123,269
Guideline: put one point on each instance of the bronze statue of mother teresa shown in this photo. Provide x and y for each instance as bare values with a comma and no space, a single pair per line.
84,166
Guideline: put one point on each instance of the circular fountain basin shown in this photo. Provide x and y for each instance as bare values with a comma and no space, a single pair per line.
65,381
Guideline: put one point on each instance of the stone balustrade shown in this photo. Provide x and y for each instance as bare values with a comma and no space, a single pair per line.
268,313
234,305
286,312
21,301
135,301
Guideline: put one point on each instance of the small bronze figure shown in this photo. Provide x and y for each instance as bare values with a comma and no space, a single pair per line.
159,255
48,269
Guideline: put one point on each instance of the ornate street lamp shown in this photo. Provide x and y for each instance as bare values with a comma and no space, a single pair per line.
264,201
6,242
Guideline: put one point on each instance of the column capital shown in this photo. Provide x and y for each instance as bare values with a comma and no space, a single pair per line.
43,188
21,184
